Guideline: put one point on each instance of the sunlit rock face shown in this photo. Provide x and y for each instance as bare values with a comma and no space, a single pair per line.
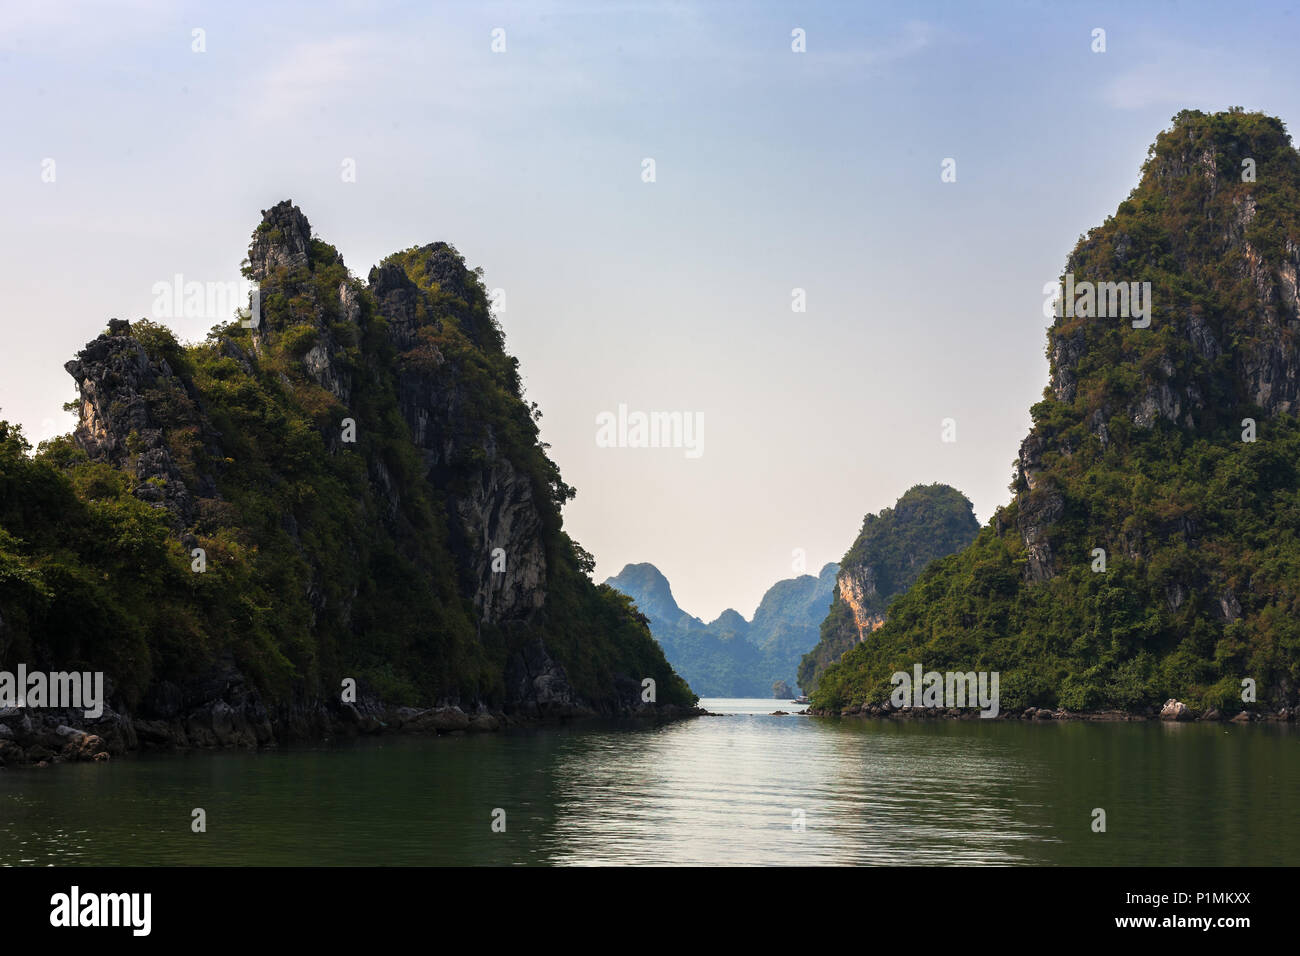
891,550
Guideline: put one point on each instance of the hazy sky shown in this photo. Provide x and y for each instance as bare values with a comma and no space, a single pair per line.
774,170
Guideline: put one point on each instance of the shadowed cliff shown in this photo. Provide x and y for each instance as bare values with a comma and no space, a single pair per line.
352,488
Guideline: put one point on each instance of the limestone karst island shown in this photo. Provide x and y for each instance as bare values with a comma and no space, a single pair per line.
649,435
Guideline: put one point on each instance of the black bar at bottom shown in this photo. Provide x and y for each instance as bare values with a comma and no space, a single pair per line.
783,907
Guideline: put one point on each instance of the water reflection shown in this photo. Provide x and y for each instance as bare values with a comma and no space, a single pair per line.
743,788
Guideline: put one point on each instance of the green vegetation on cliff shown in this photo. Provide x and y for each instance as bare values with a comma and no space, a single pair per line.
1141,453
377,551
891,551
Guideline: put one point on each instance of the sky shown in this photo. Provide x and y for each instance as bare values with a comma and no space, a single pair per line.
135,149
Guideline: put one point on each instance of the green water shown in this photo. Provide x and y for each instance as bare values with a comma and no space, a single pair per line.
717,790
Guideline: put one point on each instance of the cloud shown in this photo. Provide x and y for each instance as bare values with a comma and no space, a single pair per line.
79,24
315,73
1180,75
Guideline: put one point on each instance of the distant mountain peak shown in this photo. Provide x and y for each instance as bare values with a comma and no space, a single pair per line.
648,587
733,657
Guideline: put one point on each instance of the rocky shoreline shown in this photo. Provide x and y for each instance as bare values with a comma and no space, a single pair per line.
31,737
1173,710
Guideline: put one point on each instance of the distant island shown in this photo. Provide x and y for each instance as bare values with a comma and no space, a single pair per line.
732,656
804,623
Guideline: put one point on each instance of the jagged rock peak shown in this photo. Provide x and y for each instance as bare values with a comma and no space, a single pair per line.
117,383
435,263
449,287
1208,237
398,299
1210,227
730,617
282,241
1212,146
647,584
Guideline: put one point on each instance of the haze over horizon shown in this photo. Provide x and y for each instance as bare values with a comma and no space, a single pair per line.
775,171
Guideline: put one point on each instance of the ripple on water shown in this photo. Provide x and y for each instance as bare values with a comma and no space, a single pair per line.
717,790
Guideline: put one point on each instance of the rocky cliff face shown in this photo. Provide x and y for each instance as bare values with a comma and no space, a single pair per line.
1148,551
360,489
494,502
496,527
119,424
891,550
857,589
1199,363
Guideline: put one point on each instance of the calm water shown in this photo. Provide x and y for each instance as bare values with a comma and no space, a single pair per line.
716,790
